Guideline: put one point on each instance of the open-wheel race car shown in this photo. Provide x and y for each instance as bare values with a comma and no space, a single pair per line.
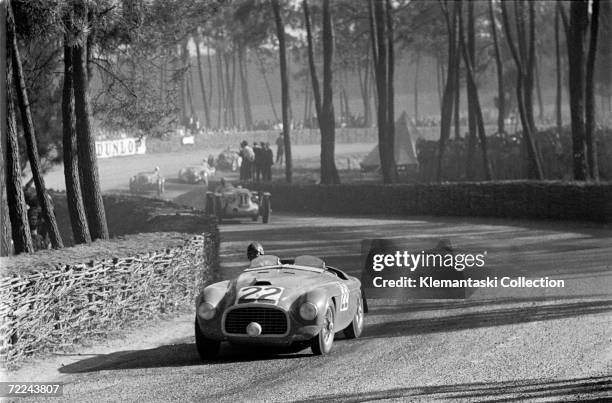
229,202
301,302
194,174
148,182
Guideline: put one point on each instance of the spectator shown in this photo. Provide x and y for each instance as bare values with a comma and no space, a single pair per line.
258,151
280,149
248,157
268,161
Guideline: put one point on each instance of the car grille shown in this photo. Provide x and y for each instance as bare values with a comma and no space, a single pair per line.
272,321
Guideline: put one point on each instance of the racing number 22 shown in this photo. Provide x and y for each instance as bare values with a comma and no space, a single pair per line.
259,294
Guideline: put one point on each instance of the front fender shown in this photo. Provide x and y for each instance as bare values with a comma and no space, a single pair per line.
214,293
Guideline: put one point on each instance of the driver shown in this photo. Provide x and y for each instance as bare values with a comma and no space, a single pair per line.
223,185
254,250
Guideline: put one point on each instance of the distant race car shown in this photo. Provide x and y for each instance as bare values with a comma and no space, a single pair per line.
196,174
237,202
280,303
147,182
228,160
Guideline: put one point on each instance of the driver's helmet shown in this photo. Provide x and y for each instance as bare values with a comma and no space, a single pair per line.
254,250
156,170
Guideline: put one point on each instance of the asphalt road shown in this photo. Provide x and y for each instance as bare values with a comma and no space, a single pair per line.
500,344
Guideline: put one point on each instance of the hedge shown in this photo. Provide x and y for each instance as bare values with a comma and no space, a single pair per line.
51,308
507,199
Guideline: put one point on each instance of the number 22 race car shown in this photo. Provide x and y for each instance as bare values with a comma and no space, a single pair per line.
280,303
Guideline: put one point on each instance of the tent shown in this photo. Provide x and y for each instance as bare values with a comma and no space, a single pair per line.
404,150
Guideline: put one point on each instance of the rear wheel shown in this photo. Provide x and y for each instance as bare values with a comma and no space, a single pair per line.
354,330
265,208
207,348
219,208
322,343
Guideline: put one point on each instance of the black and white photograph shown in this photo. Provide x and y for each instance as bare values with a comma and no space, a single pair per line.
305,200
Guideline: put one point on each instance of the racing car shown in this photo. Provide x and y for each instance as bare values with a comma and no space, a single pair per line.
148,181
299,301
229,202
228,160
195,174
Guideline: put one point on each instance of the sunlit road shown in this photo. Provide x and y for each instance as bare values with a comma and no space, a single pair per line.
496,345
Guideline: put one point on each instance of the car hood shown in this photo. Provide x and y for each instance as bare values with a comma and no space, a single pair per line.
292,282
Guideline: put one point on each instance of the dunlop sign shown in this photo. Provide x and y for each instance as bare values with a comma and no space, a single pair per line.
120,147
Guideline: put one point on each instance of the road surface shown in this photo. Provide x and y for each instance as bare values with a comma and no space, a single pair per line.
497,345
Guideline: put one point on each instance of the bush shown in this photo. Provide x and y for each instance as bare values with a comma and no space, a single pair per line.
507,156
508,199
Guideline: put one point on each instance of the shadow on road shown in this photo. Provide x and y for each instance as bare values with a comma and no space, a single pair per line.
487,318
578,388
177,355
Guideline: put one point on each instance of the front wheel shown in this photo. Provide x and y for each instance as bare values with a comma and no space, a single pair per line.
207,348
322,343
355,329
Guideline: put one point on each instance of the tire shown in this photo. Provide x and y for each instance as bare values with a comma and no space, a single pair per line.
255,218
355,328
265,208
219,208
322,343
208,349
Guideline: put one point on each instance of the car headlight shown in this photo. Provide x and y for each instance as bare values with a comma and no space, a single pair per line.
206,311
308,311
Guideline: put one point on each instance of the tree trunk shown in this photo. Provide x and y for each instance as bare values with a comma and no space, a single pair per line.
473,100
449,87
530,67
88,164
501,93
391,168
210,78
457,101
221,90
233,88
280,33
181,84
5,220
229,91
187,81
439,81
533,159
382,37
559,71
589,120
30,136
416,85
575,46
325,108
541,112
471,52
244,86
76,209
262,68
20,228
202,85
